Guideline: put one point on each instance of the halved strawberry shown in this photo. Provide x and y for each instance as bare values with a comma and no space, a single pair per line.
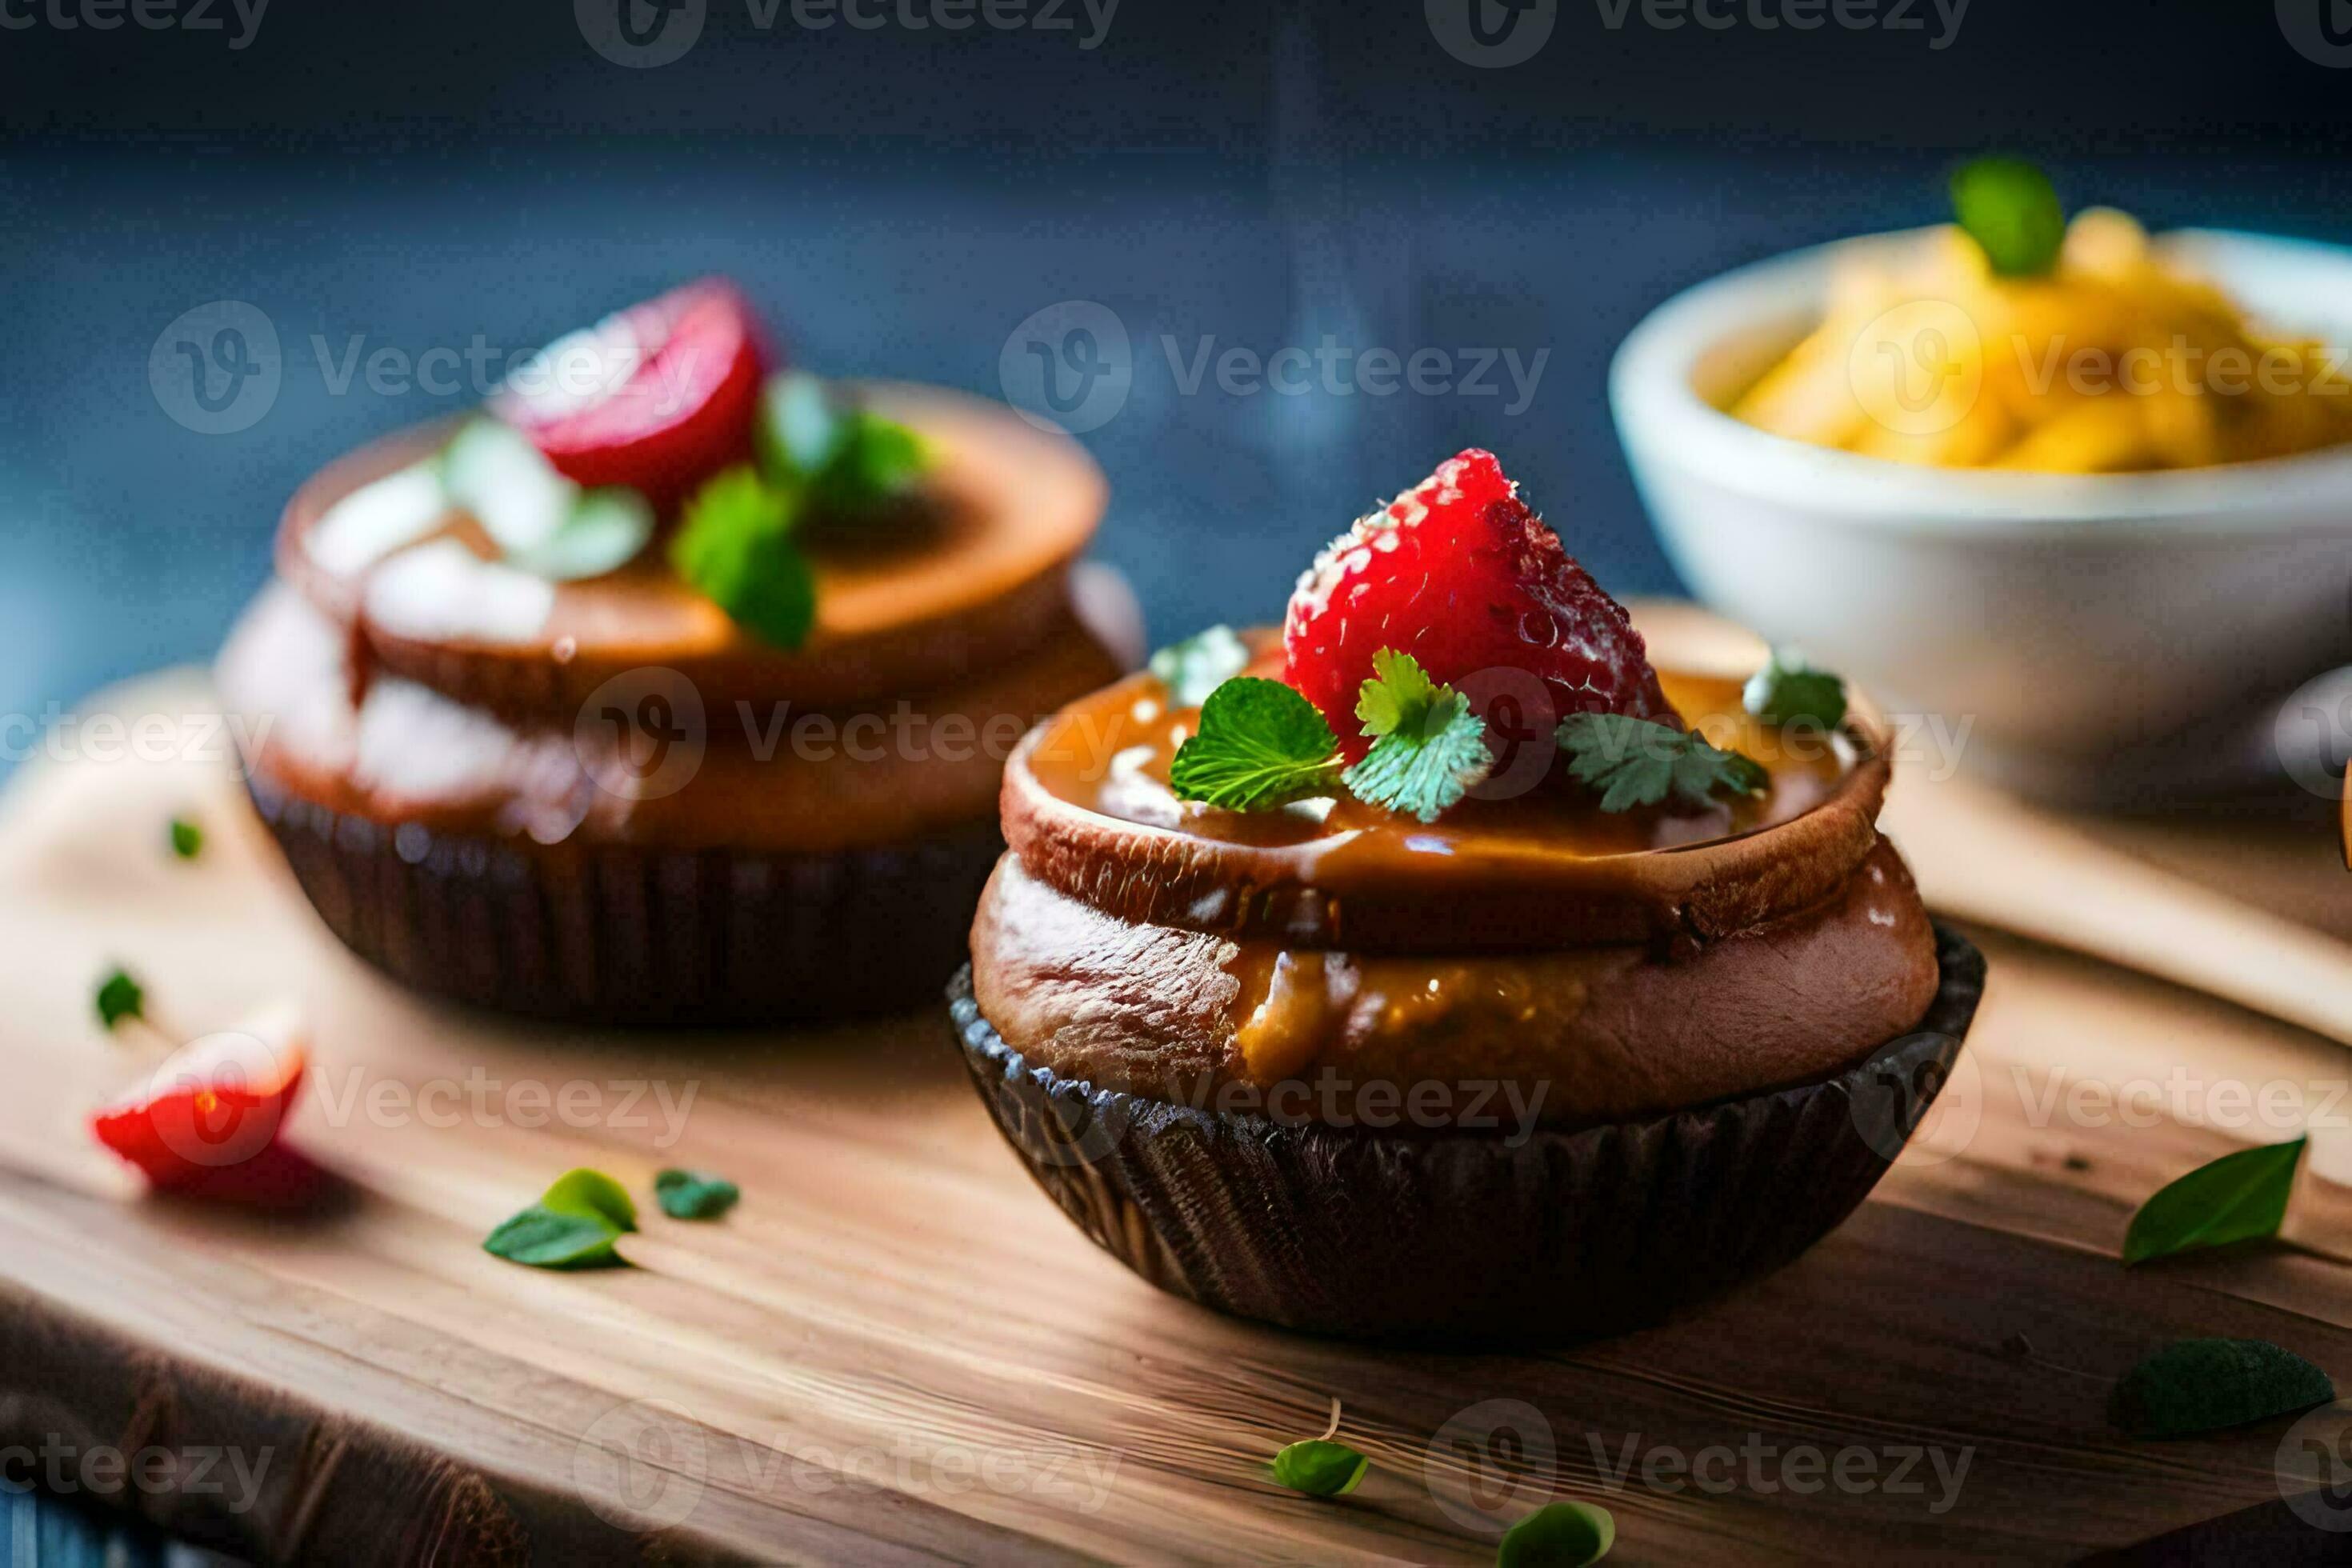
656,397
1459,574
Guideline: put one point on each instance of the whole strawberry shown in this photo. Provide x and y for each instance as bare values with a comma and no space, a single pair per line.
1459,574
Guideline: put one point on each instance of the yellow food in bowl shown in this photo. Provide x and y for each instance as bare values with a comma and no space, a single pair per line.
2113,361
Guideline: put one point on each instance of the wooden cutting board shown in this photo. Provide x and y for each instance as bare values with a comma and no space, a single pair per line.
897,1350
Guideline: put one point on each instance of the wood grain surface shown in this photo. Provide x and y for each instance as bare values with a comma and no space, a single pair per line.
896,1350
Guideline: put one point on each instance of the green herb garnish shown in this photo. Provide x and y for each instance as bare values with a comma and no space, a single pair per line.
737,549
1193,669
1633,762
1431,748
187,838
2238,1198
2210,1385
2008,206
1559,1535
592,1195
573,1225
542,1237
1260,744
119,998
695,1195
846,459
1320,1467
1788,691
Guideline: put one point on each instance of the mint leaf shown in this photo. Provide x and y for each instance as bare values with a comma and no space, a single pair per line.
2237,1197
2210,1385
542,1237
1788,691
1633,762
847,460
594,1195
119,998
187,838
1193,669
1321,1468
1432,749
1559,1535
695,1195
2008,206
1259,744
736,548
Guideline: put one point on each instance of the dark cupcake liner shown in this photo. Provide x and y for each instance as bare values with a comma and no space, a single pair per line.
1451,1237
622,934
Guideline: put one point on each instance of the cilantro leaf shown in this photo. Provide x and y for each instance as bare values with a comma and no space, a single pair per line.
1558,1533
2008,206
1193,669
737,549
1788,691
1633,762
1431,748
2238,1197
120,997
1320,1467
1259,744
542,1237
847,460
592,1193
695,1195
187,838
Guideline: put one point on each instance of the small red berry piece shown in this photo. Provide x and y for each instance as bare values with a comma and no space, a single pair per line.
214,1106
1459,574
656,397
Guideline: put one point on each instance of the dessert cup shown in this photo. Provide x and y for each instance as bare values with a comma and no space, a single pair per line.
1533,1058
603,798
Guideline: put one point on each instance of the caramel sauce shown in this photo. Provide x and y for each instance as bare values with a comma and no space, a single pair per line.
1110,754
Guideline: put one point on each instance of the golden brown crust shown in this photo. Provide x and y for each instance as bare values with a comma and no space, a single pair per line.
1575,1035
1020,504
1312,897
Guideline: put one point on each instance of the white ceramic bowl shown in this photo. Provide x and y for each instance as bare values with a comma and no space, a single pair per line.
2104,635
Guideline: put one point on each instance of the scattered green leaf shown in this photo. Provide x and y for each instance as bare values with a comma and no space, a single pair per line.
1193,669
737,549
187,838
1559,1535
1788,691
2210,1385
119,998
2008,206
695,1195
2238,1198
1431,749
1259,744
1633,762
847,460
543,1237
592,1195
1320,1467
